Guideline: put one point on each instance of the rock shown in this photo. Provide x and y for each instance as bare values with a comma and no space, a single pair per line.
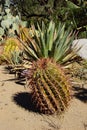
81,46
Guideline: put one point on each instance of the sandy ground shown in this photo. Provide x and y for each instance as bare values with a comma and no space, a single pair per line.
17,113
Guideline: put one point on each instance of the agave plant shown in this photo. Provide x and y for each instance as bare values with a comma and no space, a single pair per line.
53,42
50,47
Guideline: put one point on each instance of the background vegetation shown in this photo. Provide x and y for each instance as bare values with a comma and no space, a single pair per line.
71,12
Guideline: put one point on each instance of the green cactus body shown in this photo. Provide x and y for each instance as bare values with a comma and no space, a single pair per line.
11,51
50,87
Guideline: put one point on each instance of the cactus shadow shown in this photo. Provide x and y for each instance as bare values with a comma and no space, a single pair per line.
80,93
24,100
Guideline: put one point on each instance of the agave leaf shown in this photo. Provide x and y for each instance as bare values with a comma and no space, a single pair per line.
30,40
28,49
63,44
38,45
42,42
69,56
43,27
50,37
71,5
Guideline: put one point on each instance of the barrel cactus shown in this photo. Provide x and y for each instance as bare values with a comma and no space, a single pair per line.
11,51
50,87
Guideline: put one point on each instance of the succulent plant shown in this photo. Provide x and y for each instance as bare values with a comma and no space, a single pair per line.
9,22
50,87
50,42
11,51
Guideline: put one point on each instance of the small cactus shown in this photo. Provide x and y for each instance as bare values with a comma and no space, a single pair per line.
11,50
